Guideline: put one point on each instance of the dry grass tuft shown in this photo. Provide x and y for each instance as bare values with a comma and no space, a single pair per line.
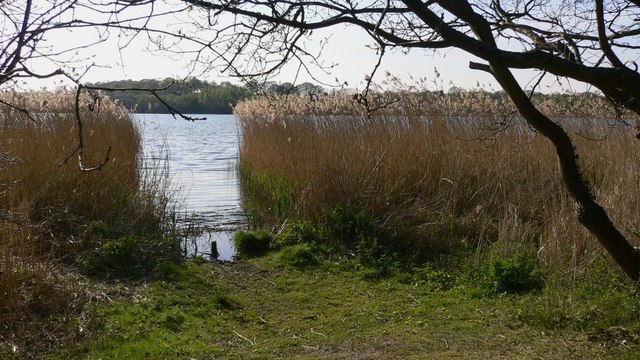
443,171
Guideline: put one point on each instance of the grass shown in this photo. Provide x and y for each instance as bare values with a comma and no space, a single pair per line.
263,308
440,174
249,244
57,222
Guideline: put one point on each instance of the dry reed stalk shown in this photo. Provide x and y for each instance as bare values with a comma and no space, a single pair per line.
45,203
439,170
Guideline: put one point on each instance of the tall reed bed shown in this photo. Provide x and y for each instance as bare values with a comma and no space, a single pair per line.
441,172
52,214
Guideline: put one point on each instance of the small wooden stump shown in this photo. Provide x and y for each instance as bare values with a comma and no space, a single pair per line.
214,250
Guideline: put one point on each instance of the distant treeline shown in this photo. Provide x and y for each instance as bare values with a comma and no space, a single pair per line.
194,96
202,97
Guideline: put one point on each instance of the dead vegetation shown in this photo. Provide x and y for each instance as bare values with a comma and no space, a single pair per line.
443,171
51,213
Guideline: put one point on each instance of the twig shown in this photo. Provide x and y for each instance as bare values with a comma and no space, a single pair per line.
317,333
270,282
253,343
414,299
172,110
20,109
80,148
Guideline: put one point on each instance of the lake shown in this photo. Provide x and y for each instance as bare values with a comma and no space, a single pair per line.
202,158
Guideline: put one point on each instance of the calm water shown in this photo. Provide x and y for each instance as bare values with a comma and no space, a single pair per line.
202,162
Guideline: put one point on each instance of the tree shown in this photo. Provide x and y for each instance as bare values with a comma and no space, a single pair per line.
583,41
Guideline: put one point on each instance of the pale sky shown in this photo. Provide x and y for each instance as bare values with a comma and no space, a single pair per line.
347,48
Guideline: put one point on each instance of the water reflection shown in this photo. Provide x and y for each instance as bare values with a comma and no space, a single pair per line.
202,161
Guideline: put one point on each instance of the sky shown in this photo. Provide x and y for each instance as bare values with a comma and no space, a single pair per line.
347,48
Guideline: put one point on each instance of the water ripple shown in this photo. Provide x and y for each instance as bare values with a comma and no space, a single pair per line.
202,163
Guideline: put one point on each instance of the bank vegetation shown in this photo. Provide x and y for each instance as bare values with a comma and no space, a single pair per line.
440,174
59,225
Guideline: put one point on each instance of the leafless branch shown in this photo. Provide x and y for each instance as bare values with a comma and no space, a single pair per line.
80,148
155,92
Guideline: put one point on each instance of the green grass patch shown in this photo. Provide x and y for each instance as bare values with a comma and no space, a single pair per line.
515,275
252,243
259,309
299,256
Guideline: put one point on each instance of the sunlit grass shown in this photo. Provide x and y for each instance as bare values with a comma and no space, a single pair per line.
265,308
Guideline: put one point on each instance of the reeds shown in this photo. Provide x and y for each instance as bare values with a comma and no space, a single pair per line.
441,172
48,208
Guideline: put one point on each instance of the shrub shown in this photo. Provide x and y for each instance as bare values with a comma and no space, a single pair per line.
299,256
301,232
252,243
515,275
434,278
109,221
434,168
121,257
351,225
